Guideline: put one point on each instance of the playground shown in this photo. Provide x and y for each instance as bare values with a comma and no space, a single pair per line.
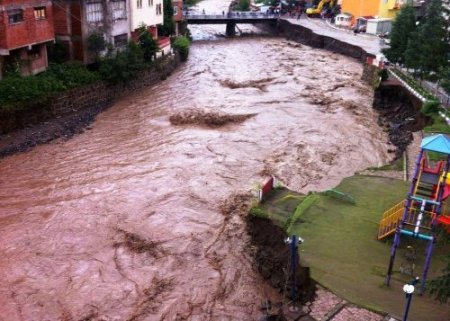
342,229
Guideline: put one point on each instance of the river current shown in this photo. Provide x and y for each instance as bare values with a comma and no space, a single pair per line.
126,221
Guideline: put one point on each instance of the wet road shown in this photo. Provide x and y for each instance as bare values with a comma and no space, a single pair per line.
138,219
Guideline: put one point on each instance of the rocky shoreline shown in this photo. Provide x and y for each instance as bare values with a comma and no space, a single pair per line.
63,127
72,112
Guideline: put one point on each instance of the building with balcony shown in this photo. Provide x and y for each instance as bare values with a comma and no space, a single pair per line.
25,28
76,20
146,12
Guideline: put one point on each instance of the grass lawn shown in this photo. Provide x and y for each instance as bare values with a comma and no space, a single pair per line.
344,254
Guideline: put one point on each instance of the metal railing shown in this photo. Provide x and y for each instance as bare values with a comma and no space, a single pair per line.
235,15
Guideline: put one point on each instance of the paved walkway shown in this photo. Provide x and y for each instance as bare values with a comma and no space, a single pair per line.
329,307
371,44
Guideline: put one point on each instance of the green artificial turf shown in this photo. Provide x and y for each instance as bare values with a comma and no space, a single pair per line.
342,249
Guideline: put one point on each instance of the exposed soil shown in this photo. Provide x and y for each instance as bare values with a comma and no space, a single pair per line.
399,115
63,127
207,118
271,256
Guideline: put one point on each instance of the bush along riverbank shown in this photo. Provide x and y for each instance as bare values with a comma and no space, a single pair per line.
66,113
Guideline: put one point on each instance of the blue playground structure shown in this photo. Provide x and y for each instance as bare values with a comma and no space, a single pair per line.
420,214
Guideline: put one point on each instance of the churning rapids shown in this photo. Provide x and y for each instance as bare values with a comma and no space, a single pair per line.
139,218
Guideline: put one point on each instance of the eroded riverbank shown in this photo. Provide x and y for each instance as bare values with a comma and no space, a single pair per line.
135,219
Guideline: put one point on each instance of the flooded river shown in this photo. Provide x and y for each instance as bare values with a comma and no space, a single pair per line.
132,220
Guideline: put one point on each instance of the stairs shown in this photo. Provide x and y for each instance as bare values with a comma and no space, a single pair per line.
391,219
425,190
426,185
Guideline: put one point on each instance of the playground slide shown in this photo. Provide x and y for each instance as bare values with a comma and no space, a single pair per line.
318,9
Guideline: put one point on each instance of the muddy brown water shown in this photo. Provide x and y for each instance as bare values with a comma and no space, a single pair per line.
126,221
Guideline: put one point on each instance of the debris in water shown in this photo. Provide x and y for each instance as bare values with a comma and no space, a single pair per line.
205,117
259,84
137,244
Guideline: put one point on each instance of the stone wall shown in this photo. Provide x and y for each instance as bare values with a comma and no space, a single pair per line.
371,75
307,37
94,97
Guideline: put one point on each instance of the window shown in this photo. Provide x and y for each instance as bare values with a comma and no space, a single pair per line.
139,4
94,12
39,13
15,16
120,40
118,9
158,9
150,3
175,10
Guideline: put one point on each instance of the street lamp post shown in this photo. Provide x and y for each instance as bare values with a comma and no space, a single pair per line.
409,290
293,243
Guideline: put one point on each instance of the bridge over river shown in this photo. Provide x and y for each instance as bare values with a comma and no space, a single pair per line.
231,19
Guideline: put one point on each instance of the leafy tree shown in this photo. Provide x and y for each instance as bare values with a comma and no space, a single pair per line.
243,5
430,107
434,48
402,29
146,42
122,66
413,53
96,43
168,27
291,4
181,44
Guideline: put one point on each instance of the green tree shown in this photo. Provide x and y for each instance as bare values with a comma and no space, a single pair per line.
413,53
181,44
433,36
146,42
122,66
168,27
402,29
243,5
96,43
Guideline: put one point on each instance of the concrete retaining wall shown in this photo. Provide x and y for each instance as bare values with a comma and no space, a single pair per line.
307,37
97,96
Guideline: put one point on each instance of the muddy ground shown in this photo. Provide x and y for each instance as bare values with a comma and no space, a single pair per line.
399,114
271,257
63,127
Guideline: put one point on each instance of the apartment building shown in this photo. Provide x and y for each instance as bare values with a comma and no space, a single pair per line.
76,20
25,28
